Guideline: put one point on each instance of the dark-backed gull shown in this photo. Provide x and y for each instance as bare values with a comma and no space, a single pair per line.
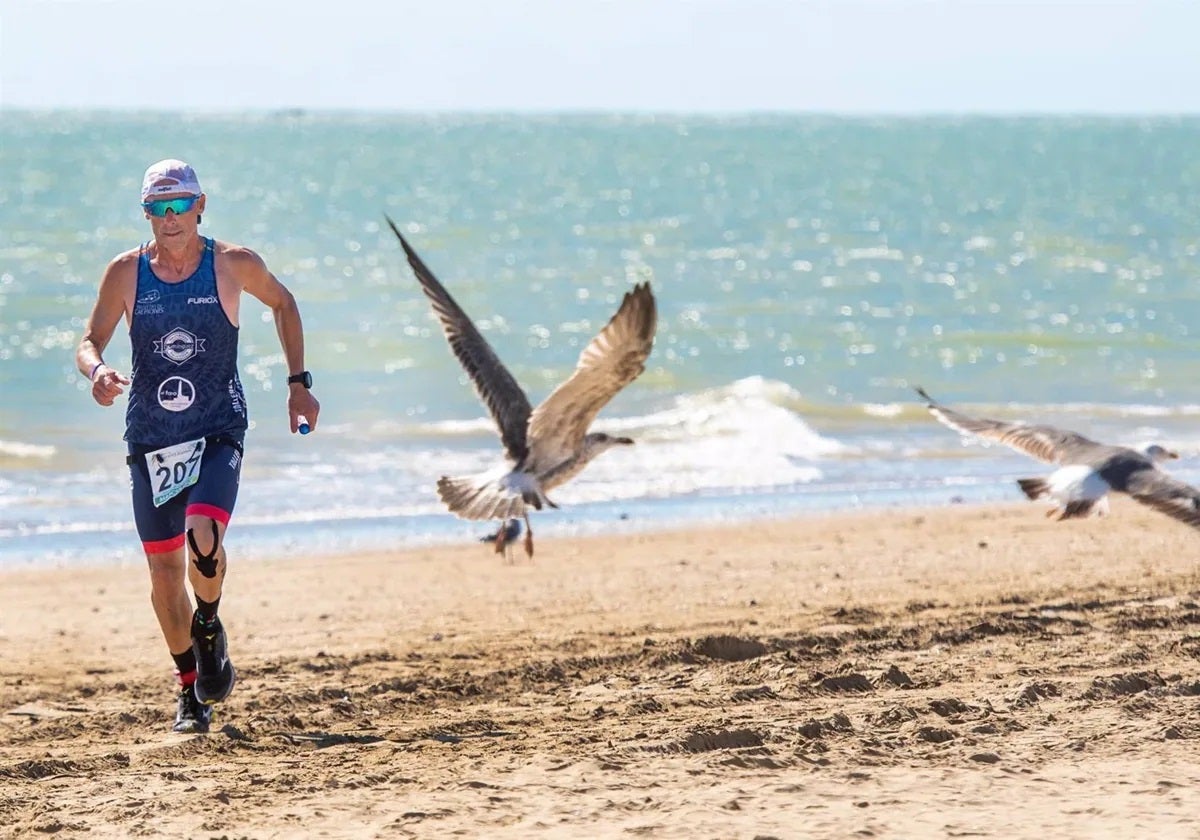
1087,471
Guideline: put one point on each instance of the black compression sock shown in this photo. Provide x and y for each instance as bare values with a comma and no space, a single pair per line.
185,662
207,611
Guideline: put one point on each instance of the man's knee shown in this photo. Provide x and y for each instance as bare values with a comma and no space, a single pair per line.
166,571
206,547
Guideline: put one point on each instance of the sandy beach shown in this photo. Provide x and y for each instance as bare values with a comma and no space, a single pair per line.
948,672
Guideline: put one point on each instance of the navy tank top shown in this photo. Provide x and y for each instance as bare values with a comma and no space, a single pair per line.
185,378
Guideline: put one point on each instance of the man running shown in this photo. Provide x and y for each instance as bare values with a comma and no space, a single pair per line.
186,418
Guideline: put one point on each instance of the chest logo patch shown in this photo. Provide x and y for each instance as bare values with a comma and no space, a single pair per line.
178,345
176,394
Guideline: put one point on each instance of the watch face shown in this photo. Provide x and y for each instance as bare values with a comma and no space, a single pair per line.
304,379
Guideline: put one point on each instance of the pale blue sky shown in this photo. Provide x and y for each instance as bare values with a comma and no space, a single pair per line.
858,56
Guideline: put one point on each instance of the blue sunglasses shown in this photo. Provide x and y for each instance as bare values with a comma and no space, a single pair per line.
175,205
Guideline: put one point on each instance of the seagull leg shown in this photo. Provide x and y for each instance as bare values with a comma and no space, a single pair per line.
501,538
528,537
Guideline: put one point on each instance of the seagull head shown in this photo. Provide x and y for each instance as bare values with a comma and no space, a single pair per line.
1157,453
596,442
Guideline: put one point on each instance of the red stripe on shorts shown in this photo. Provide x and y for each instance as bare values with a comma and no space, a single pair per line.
211,511
163,546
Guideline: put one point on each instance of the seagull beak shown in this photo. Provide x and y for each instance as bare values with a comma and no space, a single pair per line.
624,440
1172,454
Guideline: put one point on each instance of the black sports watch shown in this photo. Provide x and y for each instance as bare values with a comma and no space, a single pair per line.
303,377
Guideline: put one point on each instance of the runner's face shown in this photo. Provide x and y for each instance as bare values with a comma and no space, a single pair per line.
174,224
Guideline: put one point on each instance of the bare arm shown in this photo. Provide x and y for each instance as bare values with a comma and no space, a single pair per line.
111,304
261,283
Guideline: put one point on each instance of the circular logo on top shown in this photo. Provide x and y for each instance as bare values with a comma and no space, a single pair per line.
176,394
179,345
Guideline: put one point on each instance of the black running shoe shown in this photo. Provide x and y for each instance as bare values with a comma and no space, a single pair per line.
214,672
191,716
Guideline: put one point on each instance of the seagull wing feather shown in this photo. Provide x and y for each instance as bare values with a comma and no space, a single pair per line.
1046,443
493,382
613,359
1154,488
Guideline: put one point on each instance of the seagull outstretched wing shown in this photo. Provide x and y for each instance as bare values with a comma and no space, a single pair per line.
496,387
1156,489
613,359
1046,443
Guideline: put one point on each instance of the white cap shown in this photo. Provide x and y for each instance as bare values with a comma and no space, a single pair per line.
169,176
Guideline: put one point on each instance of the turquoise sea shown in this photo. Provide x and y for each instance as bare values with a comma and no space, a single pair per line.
809,270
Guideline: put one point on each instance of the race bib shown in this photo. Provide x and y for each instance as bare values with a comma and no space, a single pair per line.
173,469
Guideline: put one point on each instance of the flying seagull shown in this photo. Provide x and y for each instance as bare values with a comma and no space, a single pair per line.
549,445
1087,470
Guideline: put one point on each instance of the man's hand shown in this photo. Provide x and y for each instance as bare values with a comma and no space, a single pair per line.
106,385
301,403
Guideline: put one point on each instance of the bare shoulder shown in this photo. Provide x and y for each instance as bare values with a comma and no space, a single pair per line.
237,255
126,259
123,267
238,260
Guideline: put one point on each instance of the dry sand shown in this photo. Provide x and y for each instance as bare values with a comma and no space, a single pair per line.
924,673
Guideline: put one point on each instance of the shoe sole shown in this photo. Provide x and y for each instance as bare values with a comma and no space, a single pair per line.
212,701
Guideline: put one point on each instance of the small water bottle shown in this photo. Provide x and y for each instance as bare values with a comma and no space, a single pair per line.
303,427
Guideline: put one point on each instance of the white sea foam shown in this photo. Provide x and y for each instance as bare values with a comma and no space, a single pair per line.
884,410
17,449
754,411
753,405
738,437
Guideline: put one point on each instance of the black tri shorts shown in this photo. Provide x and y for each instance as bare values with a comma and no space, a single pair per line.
214,494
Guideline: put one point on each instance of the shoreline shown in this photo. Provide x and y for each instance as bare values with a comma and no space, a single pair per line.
578,521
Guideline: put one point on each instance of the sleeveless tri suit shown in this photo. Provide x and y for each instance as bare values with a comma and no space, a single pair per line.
185,390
